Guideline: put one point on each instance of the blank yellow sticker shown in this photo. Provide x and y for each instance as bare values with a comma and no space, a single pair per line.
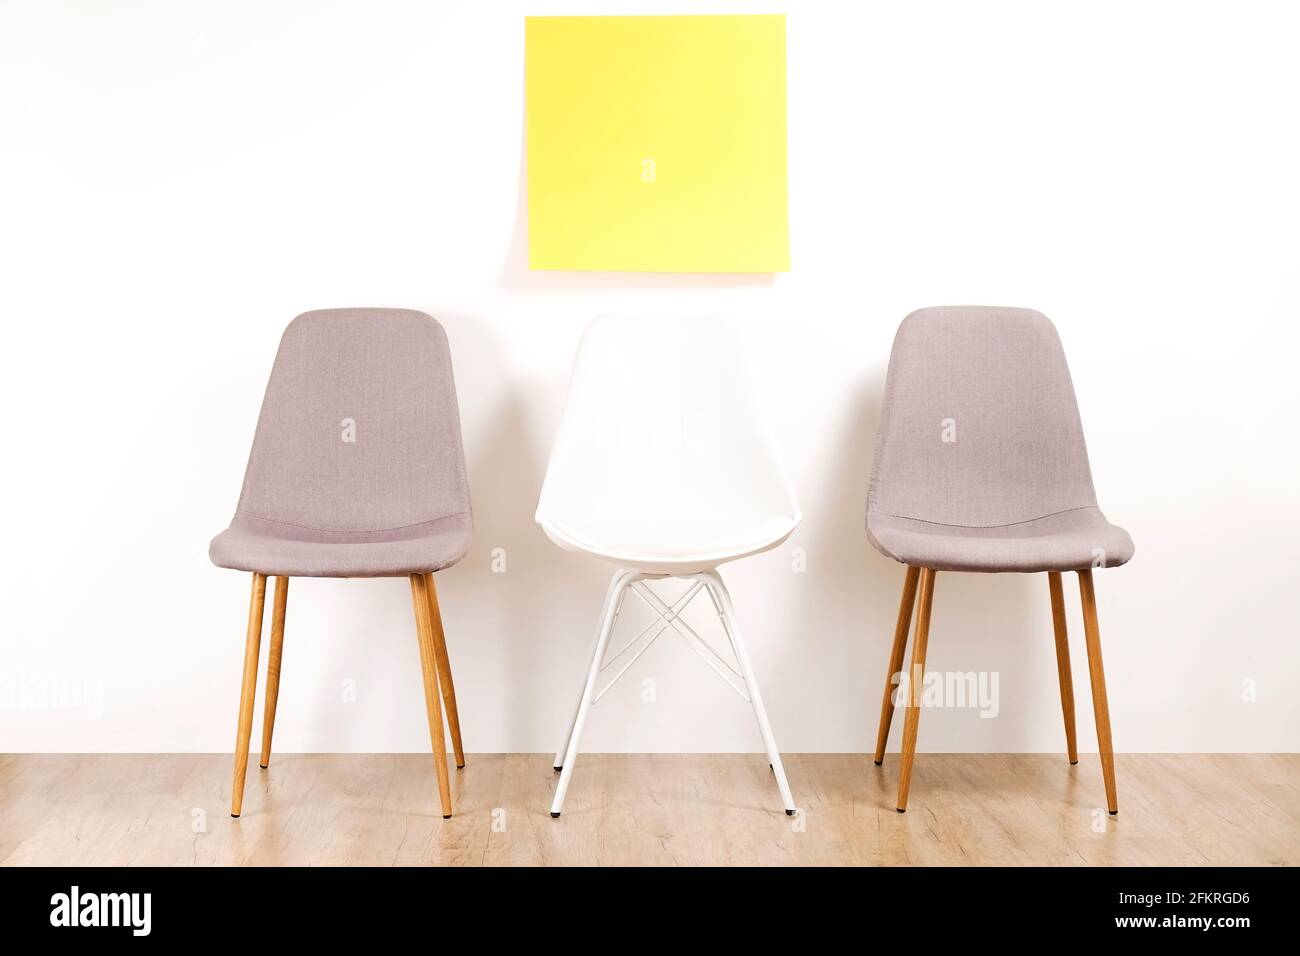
657,144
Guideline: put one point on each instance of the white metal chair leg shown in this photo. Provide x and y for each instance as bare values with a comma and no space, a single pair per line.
617,588
728,614
617,603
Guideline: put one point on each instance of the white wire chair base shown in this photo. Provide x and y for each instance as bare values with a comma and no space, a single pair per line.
669,617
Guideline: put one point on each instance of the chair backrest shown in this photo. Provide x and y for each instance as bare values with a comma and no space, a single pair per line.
360,429
664,422
980,426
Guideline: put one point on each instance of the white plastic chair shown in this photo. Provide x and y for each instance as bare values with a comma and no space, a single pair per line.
665,466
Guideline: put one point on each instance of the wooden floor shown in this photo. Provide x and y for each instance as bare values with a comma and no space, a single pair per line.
650,810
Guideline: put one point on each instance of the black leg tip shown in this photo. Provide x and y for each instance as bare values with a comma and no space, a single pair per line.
460,766
262,765
554,815
558,769
878,763
790,813
901,809
1074,763
234,816
1114,813
446,816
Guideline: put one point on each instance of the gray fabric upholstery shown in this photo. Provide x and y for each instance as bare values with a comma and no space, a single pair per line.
980,461
392,501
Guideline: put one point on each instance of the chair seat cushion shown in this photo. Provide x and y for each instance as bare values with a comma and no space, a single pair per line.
275,548
1067,541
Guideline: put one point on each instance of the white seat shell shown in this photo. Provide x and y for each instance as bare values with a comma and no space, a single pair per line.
665,461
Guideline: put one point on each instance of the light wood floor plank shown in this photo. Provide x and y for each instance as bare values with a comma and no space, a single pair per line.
652,810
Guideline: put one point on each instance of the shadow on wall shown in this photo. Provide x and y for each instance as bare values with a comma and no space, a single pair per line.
517,277
832,648
520,612
500,589
475,602
980,623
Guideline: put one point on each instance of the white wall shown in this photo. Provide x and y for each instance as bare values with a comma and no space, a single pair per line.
180,179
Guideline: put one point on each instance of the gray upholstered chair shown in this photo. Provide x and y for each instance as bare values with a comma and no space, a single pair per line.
981,466
356,471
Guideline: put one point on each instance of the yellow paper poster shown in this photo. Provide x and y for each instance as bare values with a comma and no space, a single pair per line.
657,144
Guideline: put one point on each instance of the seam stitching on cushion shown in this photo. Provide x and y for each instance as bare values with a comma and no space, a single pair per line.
306,527
947,524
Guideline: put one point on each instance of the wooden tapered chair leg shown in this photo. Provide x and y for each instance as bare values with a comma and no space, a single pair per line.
248,690
1098,677
916,676
429,669
1063,662
444,672
273,657
896,659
